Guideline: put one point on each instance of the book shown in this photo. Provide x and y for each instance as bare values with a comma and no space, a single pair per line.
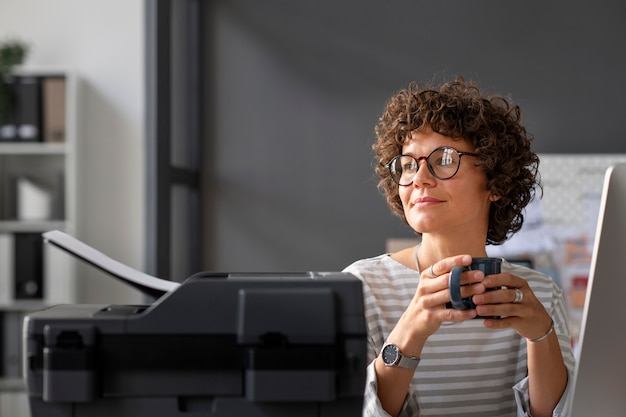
9,196
11,353
58,197
28,266
53,93
8,109
28,104
32,108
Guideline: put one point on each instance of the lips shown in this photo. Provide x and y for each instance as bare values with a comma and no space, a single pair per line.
423,201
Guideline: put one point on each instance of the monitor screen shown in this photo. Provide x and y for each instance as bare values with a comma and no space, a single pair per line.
600,374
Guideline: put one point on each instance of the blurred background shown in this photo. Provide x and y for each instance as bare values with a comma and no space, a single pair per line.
235,135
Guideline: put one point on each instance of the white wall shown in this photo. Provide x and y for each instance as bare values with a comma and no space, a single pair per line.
103,42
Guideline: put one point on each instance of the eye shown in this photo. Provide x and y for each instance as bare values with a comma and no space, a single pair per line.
409,165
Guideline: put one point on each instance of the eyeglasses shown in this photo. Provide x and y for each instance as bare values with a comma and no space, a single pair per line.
443,163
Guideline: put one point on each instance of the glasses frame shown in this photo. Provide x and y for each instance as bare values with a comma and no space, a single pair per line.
428,164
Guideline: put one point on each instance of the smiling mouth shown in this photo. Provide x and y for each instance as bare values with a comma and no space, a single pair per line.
426,200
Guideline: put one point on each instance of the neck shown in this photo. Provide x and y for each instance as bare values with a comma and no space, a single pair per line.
435,248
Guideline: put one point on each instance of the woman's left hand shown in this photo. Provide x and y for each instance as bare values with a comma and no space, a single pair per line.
515,302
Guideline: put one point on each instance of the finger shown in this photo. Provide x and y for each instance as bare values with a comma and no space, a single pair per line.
501,323
501,296
469,278
453,315
435,287
504,279
445,265
473,288
509,310
470,285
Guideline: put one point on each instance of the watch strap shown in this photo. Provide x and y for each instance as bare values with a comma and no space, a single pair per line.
408,362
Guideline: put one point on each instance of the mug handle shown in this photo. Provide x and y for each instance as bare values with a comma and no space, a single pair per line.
454,283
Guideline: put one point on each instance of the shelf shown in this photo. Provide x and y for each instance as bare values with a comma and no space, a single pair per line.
31,226
24,306
50,168
39,70
12,384
32,148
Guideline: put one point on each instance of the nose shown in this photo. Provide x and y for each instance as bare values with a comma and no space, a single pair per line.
423,177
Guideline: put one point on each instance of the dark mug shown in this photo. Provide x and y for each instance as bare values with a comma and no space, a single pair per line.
487,265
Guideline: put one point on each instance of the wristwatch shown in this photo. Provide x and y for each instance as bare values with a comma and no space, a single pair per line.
391,356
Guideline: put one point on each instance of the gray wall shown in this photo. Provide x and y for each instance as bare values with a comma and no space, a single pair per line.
294,89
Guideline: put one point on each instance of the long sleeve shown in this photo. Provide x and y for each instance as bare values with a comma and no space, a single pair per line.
372,406
465,369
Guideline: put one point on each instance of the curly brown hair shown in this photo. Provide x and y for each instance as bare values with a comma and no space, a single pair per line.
492,124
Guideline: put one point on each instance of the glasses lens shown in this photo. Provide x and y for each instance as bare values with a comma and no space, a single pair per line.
444,162
403,169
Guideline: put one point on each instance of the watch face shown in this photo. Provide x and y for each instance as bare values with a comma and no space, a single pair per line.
390,354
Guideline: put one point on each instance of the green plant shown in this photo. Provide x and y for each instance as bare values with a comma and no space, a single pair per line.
12,53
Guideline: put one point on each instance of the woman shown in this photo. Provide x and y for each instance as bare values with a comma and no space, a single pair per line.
458,169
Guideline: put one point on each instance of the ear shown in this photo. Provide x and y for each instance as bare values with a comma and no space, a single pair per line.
493,197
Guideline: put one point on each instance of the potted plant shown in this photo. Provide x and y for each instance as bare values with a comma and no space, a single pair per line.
12,53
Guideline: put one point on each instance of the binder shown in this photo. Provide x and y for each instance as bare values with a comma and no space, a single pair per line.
9,196
8,109
11,322
58,197
28,266
53,91
29,108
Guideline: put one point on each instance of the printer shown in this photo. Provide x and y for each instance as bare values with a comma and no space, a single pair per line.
218,344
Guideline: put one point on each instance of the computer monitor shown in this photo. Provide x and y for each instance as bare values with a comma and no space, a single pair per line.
600,373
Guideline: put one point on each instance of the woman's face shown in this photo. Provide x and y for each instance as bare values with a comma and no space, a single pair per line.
458,206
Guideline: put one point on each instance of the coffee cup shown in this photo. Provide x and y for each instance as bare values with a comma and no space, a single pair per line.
488,265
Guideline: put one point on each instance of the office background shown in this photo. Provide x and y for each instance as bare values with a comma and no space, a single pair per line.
103,43
293,90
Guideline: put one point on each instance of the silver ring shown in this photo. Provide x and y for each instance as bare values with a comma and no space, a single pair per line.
430,271
519,296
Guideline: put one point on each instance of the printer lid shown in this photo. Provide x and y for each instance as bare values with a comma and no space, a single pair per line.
147,284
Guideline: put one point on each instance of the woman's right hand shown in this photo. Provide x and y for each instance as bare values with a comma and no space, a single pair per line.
422,317
427,309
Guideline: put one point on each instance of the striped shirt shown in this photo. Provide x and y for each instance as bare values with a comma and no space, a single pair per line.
465,369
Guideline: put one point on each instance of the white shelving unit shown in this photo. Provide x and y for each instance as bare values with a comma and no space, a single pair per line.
53,163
